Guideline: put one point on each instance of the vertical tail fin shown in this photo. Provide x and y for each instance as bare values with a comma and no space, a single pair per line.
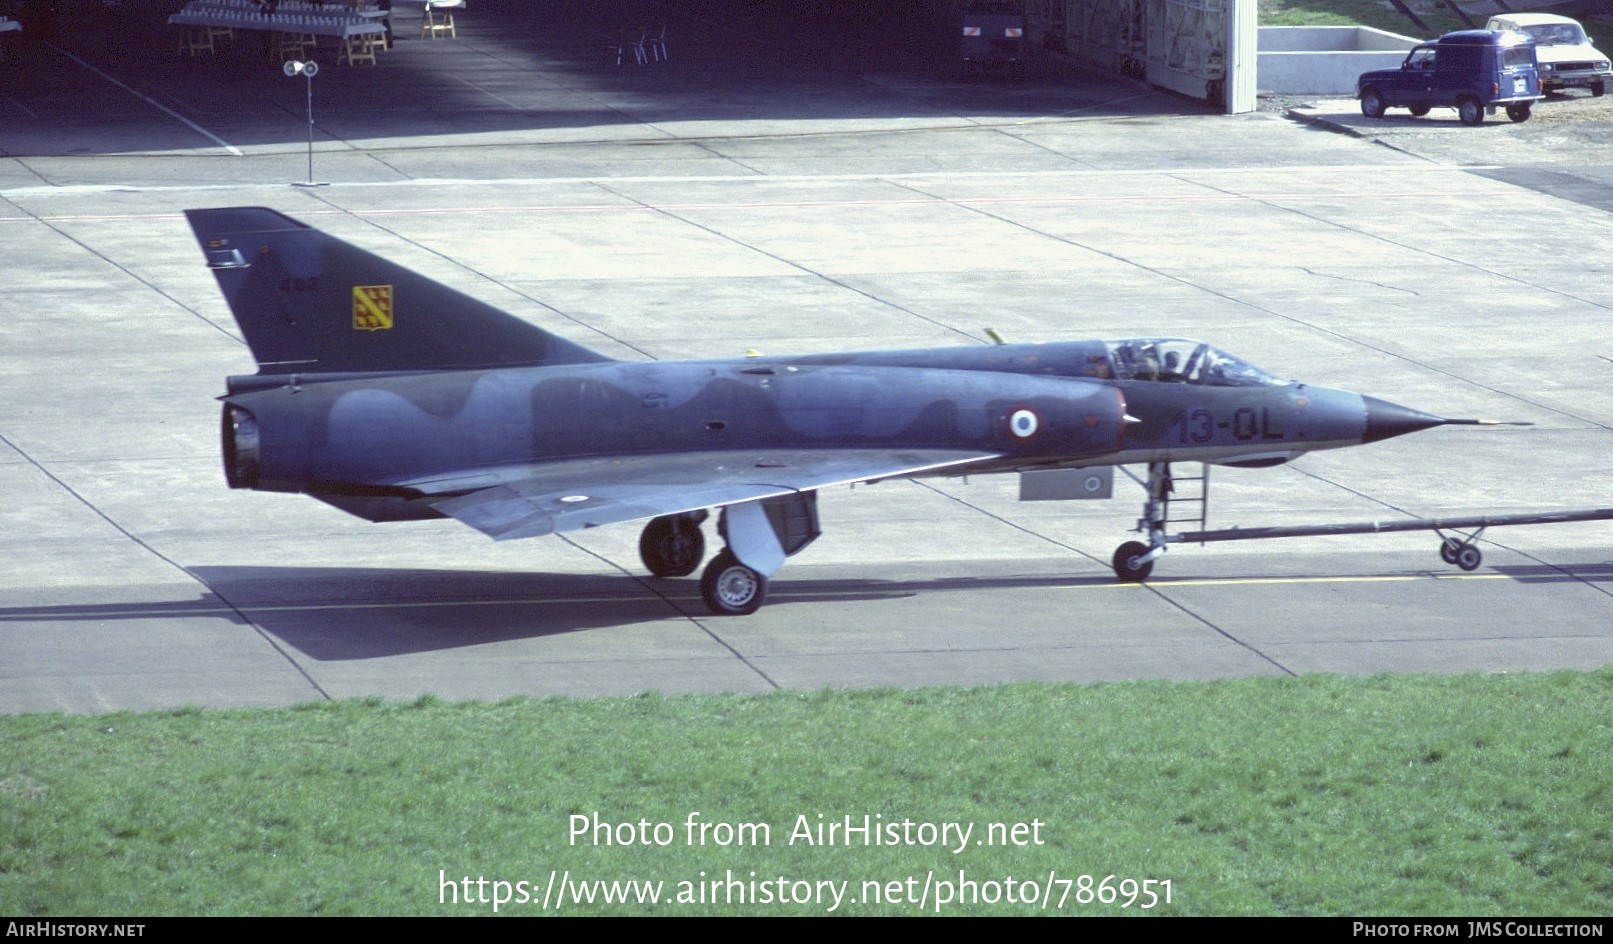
311,303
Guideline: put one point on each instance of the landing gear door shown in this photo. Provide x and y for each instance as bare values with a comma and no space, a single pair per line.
763,533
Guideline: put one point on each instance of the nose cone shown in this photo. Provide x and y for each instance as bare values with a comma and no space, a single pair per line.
1386,420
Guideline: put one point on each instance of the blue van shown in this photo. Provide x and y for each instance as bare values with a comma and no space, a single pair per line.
994,36
1473,71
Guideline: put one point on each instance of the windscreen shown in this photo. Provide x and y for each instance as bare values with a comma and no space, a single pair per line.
1176,360
1557,34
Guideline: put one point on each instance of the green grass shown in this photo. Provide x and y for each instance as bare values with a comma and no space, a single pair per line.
1384,16
1473,795
1359,13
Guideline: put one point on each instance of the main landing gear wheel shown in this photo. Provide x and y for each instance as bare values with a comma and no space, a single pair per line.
1128,562
672,545
730,588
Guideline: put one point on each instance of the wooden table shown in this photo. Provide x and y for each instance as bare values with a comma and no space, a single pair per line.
206,20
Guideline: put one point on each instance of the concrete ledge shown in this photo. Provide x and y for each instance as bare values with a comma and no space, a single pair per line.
1325,60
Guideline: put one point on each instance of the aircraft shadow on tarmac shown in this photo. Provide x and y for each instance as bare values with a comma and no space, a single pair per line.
727,60
1566,573
337,614
343,614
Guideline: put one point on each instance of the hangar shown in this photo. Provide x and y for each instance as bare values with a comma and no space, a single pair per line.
1200,48
1205,49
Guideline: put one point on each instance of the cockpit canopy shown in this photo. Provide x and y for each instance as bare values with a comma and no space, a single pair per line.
1176,360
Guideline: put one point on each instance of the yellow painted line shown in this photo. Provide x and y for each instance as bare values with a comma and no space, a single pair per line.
1245,581
154,610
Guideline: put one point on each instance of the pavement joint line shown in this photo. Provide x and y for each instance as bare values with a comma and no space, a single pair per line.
146,546
639,206
232,149
493,95
337,210
26,110
83,189
1162,273
1003,520
1593,585
1159,592
840,283
1444,258
699,622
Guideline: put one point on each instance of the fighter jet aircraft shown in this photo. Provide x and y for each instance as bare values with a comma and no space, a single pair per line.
393,397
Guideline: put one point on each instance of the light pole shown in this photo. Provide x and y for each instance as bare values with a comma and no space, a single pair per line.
308,71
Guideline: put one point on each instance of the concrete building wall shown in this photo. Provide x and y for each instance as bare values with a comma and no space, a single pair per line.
1324,60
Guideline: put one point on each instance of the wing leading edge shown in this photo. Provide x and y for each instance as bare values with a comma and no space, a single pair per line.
548,498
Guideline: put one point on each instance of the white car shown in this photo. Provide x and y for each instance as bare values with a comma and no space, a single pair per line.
1567,58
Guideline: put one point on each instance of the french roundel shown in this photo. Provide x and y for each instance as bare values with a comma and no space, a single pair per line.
1023,424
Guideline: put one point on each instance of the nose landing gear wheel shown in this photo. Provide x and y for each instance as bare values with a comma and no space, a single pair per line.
730,588
1128,563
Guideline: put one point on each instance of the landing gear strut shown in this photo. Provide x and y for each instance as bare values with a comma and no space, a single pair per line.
759,535
1458,545
1134,560
673,546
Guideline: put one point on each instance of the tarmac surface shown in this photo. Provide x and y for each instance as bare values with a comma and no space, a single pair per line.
803,185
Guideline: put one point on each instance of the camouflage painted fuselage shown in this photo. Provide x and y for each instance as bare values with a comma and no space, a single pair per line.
1018,406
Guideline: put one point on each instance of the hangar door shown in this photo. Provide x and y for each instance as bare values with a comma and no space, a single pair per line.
1201,48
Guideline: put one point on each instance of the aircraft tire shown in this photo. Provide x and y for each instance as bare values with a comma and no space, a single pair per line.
730,588
1125,562
1469,557
1447,551
671,546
